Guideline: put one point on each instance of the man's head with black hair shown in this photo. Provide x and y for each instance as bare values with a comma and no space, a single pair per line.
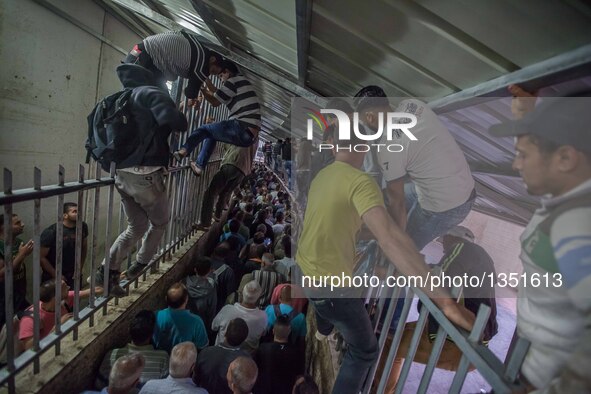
222,250
70,213
258,238
281,329
234,226
369,103
215,63
141,328
236,332
203,266
229,70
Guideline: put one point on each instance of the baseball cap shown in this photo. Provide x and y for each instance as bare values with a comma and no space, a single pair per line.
461,232
562,120
370,96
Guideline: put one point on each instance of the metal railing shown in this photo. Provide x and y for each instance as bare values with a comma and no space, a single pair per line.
501,375
184,193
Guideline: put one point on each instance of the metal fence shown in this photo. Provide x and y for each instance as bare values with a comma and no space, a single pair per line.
501,375
184,192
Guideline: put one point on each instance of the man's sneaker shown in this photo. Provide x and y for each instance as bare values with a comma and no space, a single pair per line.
99,276
114,276
115,289
179,155
196,168
202,227
135,270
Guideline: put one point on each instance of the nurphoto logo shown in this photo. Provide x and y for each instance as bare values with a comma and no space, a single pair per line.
395,124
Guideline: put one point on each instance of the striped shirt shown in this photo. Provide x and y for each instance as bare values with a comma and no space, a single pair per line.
171,54
156,366
238,94
554,310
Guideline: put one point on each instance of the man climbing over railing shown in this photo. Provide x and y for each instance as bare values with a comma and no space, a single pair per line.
176,54
244,120
442,192
553,156
139,177
341,199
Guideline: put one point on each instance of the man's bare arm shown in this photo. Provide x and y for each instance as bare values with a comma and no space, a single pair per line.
45,264
23,251
397,202
210,98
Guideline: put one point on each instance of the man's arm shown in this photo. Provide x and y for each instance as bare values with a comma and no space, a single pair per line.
571,242
397,202
210,98
45,264
401,251
163,109
23,251
522,102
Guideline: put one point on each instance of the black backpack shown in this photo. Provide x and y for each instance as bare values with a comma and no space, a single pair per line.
111,130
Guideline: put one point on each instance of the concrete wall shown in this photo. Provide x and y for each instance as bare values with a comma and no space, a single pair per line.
53,72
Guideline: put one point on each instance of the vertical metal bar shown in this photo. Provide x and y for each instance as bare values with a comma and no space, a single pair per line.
396,340
412,349
93,250
78,251
395,293
474,337
59,239
8,280
516,358
186,174
108,233
433,358
435,350
36,266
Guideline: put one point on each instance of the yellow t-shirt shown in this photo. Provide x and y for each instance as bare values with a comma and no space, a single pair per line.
339,195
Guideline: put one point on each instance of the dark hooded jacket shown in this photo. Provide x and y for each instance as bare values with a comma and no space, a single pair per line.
155,116
202,297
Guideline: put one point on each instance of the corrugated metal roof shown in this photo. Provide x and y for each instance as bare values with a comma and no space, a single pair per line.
423,48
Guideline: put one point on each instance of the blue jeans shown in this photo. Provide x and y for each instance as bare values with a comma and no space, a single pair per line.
205,152
228,131
424,226
349,317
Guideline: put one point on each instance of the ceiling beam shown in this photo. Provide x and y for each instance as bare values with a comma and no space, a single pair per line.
443,28
564,67
127,19
209,21
388,51
255,66
303,25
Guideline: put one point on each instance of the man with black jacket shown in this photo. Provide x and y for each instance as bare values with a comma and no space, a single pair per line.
140,177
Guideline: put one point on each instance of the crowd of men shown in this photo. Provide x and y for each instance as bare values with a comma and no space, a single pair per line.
237,323
232,325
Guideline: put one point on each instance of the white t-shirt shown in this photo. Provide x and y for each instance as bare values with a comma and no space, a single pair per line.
434,162
255,319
